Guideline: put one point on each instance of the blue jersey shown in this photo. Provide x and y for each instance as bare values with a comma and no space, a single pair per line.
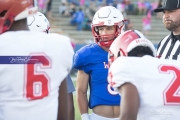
93,60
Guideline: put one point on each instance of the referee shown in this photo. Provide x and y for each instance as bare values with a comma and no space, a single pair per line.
169,47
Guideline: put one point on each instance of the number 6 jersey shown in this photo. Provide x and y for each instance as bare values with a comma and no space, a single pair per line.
157,82
30,91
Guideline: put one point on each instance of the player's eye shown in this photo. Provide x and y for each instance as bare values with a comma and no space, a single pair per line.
101,28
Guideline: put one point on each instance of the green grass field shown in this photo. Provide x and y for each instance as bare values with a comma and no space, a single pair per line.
77,113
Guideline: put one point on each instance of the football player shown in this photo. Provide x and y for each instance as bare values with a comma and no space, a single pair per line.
149,87
92,64
33,67
39,22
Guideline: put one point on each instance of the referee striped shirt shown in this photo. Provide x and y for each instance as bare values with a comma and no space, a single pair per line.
169,47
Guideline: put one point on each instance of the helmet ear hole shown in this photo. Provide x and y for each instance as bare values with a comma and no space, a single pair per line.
7,23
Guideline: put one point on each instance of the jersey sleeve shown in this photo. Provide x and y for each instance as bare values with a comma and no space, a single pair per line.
70,85
78,60
82,59
120,73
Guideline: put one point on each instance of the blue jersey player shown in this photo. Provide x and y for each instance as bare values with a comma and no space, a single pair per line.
92,64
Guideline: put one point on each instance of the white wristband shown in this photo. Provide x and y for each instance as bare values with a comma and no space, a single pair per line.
85,116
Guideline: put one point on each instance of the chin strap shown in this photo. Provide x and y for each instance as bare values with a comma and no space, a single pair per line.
105,43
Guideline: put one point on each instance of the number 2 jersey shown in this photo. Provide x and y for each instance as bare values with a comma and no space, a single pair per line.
30,91
92,59
157,81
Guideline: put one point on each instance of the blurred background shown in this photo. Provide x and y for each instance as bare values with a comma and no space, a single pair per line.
73,18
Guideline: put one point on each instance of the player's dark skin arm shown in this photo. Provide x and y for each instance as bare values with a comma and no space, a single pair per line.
63,104
129,102
70,107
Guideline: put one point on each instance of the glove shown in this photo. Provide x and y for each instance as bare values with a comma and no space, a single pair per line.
85,116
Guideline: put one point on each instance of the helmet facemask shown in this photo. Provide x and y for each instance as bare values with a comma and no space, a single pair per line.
107,16
106,40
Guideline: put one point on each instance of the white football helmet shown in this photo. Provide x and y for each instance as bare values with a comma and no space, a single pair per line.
39,23
107,16
127,41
